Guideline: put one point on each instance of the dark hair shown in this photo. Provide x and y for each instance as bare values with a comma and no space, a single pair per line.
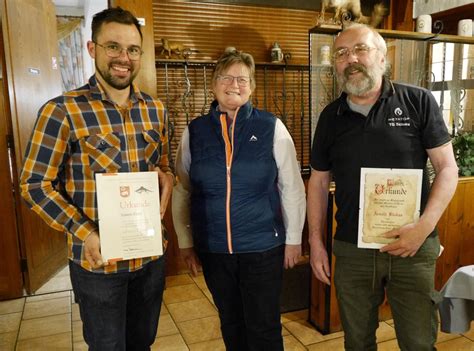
231,56
113,14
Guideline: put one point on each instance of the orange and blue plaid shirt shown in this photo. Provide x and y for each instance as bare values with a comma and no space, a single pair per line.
79,134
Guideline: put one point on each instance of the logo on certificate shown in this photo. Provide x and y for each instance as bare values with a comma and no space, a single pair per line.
142,189
124,191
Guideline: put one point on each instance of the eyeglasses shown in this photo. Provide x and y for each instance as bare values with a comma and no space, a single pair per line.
115,50
358,50
242,81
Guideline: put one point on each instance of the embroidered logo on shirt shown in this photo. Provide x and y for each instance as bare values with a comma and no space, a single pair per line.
253,138
399,119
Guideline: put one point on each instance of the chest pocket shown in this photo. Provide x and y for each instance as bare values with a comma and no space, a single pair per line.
152,146
104,152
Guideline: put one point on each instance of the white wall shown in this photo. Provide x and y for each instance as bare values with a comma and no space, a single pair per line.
428,7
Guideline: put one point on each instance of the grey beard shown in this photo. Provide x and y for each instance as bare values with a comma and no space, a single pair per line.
360,86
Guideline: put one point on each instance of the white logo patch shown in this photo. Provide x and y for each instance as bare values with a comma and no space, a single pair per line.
399,119
253,138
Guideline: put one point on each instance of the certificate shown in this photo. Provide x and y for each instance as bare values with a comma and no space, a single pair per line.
389,199
129,215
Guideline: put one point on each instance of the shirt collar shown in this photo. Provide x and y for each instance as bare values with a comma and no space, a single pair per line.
387,90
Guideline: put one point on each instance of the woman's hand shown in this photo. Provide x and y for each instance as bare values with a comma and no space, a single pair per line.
292,255
191,260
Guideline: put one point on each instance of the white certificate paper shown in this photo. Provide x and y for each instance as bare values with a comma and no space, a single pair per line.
129,215
389,198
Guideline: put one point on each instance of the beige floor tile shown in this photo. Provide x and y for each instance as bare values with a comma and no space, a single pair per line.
458,344
214,345
10,322
175,280
80,346
55,284
38,327
164,310
291,344
209,296
52,342
470,334
75,312
63,272
166,326
48,296
293,316
199,330
446,336
182,293
333,345
306,333
7,341
11,306
390,345
77,335
194,309
200,281
46,308
385,332
170,343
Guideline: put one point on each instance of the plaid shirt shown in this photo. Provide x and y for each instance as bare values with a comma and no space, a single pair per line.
77,135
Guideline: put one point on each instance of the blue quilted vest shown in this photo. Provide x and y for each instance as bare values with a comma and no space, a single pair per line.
235,204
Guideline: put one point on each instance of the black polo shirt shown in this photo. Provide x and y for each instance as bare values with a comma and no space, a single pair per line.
402,124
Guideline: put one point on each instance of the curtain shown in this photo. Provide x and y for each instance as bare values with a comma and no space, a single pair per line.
70,52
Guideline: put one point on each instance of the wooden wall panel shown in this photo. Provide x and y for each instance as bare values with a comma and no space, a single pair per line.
456,232
146,79
210,28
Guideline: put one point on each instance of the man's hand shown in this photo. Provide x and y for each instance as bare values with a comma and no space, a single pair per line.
191,260
92,250
166,181
292,255
410,238
320,262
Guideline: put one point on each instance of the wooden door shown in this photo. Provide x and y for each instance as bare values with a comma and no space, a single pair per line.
11,282
31,51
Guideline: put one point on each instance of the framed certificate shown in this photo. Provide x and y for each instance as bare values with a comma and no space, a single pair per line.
389,199
129,215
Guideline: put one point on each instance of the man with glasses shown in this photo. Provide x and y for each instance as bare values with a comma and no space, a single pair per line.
107,125
377,123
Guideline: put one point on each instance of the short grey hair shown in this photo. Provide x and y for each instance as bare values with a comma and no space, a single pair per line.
379,41
232,56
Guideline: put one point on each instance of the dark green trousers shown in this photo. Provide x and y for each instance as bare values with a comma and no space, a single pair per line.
363,276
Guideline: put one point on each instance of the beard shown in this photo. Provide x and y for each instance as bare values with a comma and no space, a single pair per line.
114,81
359,86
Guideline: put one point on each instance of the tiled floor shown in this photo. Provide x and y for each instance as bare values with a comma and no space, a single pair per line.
50,321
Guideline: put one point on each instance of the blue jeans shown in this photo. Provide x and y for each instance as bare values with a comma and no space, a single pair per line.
119,311
246,290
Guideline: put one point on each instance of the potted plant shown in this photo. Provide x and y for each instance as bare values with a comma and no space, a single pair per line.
463,145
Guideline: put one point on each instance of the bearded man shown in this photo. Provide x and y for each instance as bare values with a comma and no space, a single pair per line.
361,129
106,126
